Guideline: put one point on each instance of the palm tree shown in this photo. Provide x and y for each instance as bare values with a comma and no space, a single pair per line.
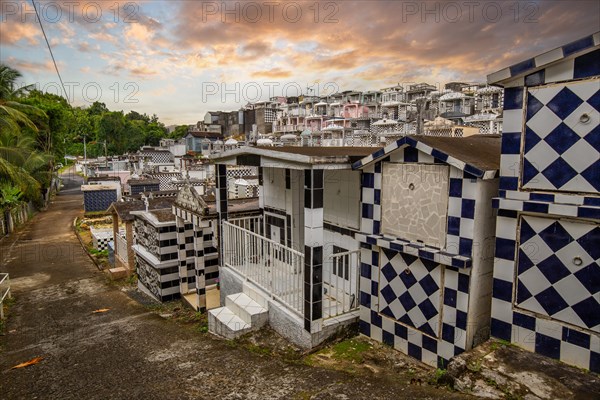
12,113
21,165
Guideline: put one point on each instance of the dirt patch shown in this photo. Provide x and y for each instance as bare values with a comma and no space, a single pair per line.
499,370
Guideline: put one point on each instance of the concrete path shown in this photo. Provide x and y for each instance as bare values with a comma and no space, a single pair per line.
129,352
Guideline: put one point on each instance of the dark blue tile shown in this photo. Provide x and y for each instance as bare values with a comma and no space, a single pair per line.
376,227
541,197
501,329
368,180
522,67
595,362
508,213
365,270
411,154
529,171
535,79
454,226
375,319
578,45
513,98
588,212
509,183
511,142
414,351
465,246
455,189
374,288
592,173
591,201
450,297
461,320
587,65
388,294
377,167
471,170
547,346
439,155
448,334
387,338
430,344
375,258
401,331
505,249
536,207
495,203
589,311
365,299
463,283
407,301
367,211
524,321
551,301
467,208
364,328
589,276
502,290
576,337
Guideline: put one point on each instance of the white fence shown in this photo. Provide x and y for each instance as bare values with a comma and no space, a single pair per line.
4,291
275,268
121,247
341,286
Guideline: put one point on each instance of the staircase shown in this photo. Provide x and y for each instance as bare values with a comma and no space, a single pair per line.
243,312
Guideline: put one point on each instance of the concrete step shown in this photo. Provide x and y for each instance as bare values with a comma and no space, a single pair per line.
118,273
256,294
247,309
223,322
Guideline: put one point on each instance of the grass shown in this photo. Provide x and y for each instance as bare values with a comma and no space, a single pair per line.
350,350
6,304
260,350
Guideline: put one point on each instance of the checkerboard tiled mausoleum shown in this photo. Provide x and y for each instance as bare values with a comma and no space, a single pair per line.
546,293
427,244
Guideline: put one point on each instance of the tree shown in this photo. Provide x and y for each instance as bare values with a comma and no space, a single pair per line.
22,166
14,114
179,132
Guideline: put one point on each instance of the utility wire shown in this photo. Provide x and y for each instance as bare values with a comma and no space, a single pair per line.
50,49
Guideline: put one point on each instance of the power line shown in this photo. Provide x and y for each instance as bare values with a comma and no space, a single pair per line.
50,49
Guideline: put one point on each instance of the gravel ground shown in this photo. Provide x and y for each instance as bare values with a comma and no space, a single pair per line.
131,352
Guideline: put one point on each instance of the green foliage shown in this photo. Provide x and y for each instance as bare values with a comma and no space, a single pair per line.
350,350
9,195
39,129
99,253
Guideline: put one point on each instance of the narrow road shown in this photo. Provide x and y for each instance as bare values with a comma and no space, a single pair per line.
129,352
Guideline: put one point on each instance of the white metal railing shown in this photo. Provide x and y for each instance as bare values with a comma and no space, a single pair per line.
4,292
252,223
341,284
277,269
121,246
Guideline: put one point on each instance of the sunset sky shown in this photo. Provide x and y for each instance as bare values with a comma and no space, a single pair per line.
179,59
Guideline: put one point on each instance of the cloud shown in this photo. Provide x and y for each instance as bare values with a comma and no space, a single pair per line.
273,73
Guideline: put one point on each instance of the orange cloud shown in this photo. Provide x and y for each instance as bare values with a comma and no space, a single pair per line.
276,73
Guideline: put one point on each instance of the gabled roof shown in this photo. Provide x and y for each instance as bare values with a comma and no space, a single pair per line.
526,67
189,199
124,208
478,155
